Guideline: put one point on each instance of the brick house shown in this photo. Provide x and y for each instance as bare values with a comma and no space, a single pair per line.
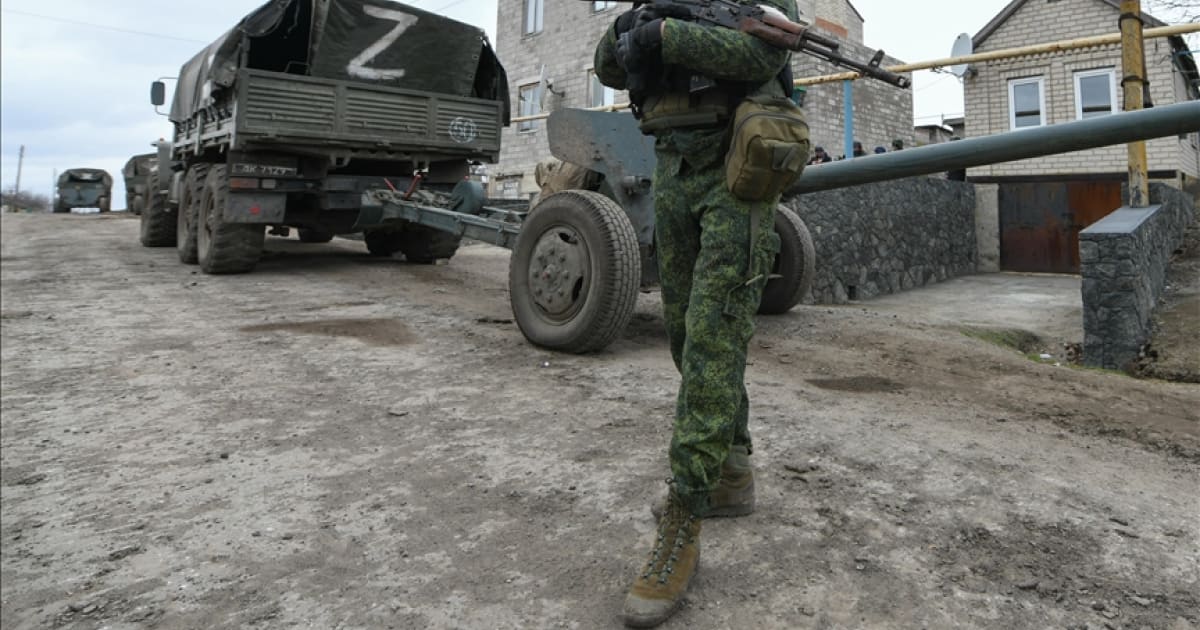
561,36
1045,202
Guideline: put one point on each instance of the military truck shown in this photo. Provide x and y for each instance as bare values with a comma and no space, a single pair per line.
83,188
137,172
290,117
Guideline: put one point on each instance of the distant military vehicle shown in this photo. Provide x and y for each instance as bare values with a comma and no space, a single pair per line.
83,188
287,119
137,172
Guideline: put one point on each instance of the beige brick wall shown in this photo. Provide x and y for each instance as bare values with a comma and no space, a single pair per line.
566,45
1044,21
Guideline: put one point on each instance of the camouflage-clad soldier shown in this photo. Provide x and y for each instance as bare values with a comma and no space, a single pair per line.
714,254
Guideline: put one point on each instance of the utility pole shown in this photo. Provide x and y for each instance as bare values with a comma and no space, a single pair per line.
20,163
1133,84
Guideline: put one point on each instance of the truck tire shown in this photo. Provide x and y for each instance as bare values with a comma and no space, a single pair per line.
136,205
314,235
382,242
792,272
158,223
105,204
575,272
224,247
59,209
189,211
425,245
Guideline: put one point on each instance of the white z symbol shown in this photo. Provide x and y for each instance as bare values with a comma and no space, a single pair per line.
358,65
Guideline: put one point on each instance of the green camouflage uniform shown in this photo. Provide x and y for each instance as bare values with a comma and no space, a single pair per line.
711,281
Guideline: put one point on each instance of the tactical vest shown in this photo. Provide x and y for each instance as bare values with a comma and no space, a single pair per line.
687,101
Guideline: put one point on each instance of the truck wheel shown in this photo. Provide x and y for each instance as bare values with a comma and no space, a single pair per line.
158,223
792,272
136,205
60,209
224,247
425,245
575,272
105,204
382,242
314,235
189,211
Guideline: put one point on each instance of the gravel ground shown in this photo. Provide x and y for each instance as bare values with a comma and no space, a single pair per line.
336,441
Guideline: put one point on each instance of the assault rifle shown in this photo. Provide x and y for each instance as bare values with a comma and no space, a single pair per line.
773,27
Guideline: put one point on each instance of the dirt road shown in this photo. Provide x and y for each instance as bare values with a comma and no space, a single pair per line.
336,441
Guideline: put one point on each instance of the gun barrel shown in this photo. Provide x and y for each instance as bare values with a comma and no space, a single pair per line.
1158,122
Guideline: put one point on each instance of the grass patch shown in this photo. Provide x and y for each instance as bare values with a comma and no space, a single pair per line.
1022,341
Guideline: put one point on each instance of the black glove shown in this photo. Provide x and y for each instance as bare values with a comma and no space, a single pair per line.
626,21
641,45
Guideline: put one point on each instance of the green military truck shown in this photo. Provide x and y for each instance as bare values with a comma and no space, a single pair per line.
83,188
137,172
287,120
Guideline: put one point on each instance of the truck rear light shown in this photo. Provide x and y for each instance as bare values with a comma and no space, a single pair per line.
269,184
243,182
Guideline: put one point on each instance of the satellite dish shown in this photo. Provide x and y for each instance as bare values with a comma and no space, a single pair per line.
963,46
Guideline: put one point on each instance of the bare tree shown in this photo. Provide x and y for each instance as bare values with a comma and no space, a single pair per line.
24,200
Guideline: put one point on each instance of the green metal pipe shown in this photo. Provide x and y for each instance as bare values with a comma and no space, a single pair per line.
1121,128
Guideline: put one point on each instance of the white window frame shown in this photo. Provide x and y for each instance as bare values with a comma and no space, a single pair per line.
1012,101
1112,89
602,5
528,126
608,96
535,14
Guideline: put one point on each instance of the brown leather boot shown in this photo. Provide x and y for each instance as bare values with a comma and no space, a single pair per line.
659,589
734,494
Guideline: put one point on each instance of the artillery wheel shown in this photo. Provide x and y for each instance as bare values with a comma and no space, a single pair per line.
158,222
189,211
424,245
383,241
575,272
314,235
792,272
224,247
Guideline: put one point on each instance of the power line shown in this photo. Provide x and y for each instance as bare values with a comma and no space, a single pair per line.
102,27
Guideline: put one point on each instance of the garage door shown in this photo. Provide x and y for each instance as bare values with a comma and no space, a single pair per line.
1040,222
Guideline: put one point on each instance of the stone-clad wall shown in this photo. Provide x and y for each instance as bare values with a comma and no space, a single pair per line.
1124,259
877,239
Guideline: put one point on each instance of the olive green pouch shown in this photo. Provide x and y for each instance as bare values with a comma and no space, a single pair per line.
768,148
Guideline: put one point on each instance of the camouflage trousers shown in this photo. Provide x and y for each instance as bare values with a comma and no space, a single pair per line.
712,271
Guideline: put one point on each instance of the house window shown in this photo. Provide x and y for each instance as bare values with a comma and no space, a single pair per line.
1026,103
528,104
1095,93
599,95
603,6
533,16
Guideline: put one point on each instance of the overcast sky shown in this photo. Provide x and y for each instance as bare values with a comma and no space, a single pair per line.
75,74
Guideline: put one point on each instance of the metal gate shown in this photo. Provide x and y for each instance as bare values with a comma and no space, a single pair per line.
1040,222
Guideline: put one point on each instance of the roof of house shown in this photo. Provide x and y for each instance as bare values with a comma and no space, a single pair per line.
1016,5
1183,58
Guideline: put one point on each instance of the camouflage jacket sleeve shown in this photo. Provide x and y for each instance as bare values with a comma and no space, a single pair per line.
608,71
722,53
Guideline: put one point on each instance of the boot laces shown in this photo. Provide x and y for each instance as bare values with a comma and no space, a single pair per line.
676,524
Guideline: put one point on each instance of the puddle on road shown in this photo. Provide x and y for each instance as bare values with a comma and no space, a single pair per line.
375,332
858,384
